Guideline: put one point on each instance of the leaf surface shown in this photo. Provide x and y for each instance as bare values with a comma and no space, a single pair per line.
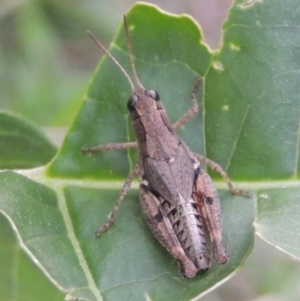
257,106
248,122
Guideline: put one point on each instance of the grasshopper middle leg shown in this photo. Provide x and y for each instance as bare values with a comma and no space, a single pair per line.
217,168
126,186
124,191
109,146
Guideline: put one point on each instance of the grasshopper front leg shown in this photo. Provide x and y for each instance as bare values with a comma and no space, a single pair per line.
193,111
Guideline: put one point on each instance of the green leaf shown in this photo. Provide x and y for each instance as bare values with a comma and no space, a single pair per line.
57,225
56,228
257,107
20,278
252,104
22,145
249,124
278,218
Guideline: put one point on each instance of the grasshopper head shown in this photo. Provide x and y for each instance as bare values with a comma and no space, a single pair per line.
143,102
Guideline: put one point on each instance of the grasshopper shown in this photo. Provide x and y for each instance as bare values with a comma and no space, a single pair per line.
178,199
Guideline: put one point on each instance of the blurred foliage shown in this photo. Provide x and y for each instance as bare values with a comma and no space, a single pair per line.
46,56
22,145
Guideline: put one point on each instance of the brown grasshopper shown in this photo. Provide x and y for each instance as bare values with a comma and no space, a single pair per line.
178,199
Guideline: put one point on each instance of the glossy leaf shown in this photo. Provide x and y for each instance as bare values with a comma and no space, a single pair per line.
261,141
56,228
127,260
248,125
252,117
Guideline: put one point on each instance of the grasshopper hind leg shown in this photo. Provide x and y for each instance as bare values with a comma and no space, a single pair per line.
209,205
162,229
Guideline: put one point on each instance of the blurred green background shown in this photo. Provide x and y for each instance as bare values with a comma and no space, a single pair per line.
46,61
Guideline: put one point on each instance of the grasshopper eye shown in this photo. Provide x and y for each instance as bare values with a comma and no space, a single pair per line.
153,94
131,102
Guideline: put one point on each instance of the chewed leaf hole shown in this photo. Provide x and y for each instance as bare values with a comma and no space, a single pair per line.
234,47
248,4
218,66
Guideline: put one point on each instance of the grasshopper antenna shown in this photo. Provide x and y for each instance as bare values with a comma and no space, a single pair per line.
131,55
114,60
